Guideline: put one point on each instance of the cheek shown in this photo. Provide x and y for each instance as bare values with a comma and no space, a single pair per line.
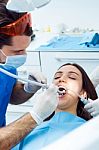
75,87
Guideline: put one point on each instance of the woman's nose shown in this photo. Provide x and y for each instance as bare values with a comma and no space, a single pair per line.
62,79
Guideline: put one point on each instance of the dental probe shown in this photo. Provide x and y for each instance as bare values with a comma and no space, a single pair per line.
84,100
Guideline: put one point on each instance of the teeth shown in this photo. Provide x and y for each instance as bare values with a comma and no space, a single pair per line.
61,94
61,91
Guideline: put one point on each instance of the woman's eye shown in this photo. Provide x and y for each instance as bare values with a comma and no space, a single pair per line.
74,78
56,78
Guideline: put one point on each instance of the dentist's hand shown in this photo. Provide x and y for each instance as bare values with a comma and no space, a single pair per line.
95,76
35,76
93,107
45,104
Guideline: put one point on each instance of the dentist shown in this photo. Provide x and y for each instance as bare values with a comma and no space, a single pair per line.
15,36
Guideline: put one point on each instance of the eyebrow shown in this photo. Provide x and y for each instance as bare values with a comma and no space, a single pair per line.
60,72
74,72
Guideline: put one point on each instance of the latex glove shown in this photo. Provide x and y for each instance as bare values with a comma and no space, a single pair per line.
35,76
26,5
45,104
93,107
95,76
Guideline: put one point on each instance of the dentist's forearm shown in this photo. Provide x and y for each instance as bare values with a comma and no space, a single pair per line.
19,96
16,131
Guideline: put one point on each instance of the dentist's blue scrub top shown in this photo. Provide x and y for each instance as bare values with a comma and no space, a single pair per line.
49,131
6,86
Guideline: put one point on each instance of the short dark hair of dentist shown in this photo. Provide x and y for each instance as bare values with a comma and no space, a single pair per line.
10,18
88,87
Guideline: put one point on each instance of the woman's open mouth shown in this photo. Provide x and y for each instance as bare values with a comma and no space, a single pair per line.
61,91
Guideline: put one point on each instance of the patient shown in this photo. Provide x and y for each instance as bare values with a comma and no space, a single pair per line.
70,112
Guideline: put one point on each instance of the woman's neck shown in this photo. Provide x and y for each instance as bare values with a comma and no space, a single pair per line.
71,110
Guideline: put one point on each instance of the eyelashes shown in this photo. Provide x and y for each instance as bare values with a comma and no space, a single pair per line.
55,78
73,78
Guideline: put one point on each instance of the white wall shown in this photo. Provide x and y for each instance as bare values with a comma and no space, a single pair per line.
82,13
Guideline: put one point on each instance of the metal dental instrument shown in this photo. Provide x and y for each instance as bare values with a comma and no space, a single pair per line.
84,100
60,91
22,79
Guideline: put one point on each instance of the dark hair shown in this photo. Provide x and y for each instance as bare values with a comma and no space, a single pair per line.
88,87
7,17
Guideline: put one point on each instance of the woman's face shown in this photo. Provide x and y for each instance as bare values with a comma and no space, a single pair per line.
68,77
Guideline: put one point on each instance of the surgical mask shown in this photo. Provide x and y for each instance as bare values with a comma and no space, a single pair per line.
26,5
15,60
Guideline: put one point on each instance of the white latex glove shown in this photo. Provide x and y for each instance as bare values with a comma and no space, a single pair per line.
95,76
93,107
26,5
45,104
35,76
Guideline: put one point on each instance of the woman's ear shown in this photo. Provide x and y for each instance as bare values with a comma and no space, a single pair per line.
83,94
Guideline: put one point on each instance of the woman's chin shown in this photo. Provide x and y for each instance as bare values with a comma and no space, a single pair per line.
61,97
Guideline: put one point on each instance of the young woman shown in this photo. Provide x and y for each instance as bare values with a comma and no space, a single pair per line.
70,112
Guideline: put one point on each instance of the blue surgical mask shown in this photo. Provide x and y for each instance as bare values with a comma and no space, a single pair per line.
16,60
